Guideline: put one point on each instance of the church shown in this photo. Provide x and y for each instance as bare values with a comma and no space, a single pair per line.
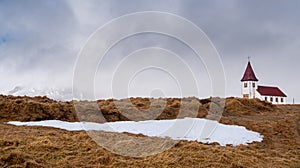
251,89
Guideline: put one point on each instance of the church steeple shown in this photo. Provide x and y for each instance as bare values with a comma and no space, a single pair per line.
249,83
249,74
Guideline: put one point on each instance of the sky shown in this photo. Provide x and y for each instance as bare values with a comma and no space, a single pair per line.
40,42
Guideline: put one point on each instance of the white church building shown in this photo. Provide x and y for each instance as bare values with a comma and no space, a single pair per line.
251,89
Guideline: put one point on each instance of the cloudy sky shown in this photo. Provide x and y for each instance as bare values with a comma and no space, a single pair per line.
40,42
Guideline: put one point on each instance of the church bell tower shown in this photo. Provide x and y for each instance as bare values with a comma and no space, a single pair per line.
249,83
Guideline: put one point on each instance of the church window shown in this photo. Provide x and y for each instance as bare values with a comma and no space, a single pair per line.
282,100
276,99
266,98
271,99
253,84
245,85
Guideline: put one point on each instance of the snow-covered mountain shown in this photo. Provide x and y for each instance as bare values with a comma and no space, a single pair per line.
53,93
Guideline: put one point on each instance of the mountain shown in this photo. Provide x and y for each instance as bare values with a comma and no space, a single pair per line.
53,93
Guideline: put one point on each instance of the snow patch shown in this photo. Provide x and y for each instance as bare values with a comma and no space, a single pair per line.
191,129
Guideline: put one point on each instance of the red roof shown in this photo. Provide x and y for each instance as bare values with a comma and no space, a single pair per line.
270,91
249,74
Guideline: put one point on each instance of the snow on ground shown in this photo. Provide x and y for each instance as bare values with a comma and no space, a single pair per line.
196,129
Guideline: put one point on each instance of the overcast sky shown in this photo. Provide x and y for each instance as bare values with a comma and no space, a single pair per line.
40,42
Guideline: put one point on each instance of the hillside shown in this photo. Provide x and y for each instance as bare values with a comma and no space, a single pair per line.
49,147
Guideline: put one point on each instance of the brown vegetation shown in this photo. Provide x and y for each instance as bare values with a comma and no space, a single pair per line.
49,147
23,108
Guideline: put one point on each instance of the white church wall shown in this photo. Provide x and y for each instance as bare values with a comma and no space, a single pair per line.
249,89
273,99
257,95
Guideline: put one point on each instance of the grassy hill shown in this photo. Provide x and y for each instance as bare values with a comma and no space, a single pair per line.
50,147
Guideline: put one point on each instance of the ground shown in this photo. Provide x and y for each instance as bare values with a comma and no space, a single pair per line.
49,147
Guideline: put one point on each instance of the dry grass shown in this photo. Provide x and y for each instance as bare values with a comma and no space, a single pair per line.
25,108
49,147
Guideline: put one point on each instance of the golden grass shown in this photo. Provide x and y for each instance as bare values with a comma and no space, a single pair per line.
49,147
